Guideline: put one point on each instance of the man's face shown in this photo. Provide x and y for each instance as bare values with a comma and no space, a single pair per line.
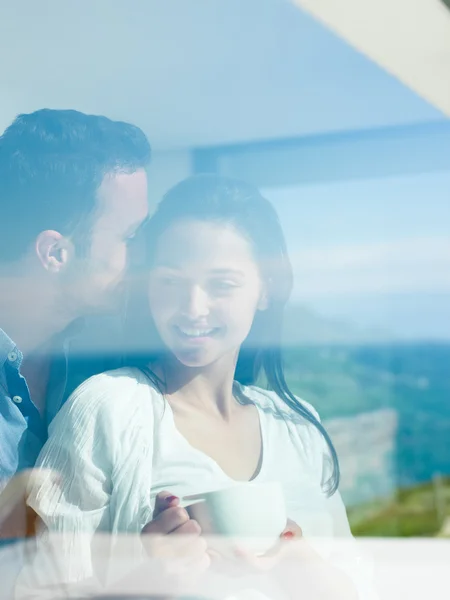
122,208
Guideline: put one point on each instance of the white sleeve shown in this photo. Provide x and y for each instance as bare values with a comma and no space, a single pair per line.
100,445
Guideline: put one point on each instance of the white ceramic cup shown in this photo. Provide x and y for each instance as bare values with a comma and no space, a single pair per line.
252,514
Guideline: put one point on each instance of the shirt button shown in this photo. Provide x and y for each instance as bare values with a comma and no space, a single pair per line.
12,356
17,399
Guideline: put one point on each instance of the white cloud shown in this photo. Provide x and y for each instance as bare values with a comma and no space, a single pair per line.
415,264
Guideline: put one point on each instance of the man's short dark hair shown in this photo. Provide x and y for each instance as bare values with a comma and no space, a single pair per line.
52,163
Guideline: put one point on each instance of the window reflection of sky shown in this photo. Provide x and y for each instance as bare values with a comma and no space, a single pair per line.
375,251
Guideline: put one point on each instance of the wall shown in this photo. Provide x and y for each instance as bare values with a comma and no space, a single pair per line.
166,169
351,155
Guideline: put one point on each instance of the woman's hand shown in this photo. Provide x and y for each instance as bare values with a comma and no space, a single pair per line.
245,562
295,565
282,550
299,569
174,540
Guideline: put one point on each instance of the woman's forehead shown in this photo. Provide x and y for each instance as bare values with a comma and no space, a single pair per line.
220,245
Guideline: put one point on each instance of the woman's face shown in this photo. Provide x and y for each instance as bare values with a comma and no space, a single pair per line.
205,288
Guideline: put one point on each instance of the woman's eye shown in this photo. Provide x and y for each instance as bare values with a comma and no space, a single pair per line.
224,285
169,281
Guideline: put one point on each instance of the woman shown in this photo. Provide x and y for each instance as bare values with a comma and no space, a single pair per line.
188,417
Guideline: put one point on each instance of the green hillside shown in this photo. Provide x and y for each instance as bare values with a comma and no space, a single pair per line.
420,511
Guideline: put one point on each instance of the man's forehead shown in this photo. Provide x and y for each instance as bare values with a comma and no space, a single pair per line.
123,196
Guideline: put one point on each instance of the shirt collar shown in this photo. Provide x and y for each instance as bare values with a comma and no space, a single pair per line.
6,347
73,330
61,339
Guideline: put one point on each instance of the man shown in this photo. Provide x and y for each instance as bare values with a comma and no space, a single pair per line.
73,193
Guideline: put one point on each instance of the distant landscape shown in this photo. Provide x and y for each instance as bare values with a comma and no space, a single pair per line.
420,511
358,379
344,373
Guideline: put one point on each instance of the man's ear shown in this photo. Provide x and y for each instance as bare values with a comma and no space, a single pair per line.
53,250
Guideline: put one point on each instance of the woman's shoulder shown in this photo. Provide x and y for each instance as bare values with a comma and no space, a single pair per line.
117,381
121,394
269,399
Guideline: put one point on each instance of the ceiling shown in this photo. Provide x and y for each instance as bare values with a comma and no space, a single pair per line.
195,72
409,38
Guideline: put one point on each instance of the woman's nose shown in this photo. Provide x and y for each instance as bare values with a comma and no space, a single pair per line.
196,303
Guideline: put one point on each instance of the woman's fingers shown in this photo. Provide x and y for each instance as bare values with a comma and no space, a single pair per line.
188,549
179,554
163,501
167,521
173,538
190,527
178,542
292,530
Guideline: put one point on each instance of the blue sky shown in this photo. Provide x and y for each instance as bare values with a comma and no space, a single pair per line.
375,252
367,211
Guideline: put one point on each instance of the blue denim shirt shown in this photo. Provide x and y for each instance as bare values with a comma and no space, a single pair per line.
23,431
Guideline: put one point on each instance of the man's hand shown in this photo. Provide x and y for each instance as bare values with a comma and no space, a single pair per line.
17,520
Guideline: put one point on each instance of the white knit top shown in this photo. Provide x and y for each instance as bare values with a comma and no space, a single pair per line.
116,446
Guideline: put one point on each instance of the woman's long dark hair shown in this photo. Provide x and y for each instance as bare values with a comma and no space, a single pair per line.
232,202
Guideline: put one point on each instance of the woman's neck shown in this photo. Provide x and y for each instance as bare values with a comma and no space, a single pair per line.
208,388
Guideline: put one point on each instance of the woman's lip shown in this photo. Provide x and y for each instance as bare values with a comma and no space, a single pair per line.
191,332
185,328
